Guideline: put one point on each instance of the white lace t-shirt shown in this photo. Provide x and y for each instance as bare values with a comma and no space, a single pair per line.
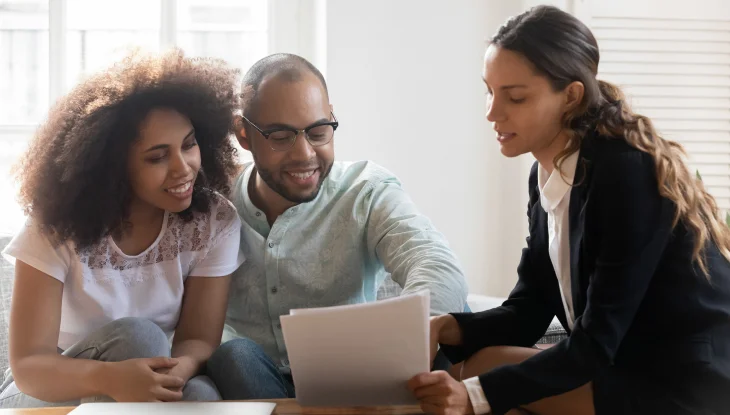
102,284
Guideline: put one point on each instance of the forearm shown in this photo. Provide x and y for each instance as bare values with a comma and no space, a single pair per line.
416,255
57,378
447,291
422,261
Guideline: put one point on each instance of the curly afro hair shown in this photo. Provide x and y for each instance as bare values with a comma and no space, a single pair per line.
74,179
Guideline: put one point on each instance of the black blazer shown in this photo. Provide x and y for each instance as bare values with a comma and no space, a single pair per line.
641,303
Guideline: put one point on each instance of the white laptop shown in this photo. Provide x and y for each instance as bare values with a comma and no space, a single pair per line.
175,408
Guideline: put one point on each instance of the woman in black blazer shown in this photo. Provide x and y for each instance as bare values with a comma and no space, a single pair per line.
625,246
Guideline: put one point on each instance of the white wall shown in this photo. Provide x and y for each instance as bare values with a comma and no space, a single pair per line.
404,76
405,82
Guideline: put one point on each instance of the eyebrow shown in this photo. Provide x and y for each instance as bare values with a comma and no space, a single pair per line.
507,87
291,127
161,146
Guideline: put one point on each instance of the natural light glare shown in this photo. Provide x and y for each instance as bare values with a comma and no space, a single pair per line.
101,32
23,61
234,30
98,33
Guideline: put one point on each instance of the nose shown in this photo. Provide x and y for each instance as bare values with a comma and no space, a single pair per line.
302,150
495,112
179,166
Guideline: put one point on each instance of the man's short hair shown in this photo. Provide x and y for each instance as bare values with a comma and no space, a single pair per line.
285,66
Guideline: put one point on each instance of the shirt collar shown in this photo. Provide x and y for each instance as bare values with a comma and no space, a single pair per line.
556,186
249,213
255,214
248,205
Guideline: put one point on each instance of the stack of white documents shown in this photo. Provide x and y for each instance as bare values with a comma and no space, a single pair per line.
358,355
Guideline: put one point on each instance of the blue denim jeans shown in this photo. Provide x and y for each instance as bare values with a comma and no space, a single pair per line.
242,370
123,339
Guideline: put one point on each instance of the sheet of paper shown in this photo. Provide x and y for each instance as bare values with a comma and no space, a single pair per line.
358,355
176,408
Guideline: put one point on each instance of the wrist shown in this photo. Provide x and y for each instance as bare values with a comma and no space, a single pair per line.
187,367
98,381
469,406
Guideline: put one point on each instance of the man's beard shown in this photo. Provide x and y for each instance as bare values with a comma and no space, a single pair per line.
280,188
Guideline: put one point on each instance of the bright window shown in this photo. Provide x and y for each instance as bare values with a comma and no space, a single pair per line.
673,61
47,46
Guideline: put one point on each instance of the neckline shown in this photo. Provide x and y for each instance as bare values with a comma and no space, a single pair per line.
163,228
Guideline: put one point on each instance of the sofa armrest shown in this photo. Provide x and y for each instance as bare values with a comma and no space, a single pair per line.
554,334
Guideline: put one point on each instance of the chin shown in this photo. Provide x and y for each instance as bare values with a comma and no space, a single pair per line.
177,207
299,194
303,197
510,152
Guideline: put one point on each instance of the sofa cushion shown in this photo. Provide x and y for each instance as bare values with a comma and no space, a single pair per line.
6,291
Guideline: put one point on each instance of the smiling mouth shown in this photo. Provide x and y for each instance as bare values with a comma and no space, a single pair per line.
180,189
303,175
501,136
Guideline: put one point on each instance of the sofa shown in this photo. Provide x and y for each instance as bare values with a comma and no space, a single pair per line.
6,290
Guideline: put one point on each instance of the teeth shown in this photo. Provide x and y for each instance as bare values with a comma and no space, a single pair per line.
303,175
180,189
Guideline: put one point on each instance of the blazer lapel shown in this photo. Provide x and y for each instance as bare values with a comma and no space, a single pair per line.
576,226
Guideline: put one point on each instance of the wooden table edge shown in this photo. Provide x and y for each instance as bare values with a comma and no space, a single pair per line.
283,407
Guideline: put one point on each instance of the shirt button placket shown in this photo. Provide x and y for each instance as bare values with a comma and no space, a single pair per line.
272,279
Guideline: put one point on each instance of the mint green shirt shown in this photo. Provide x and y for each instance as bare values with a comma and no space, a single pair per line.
334,250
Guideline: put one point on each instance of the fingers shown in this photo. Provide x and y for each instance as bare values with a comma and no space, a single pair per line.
160,362
169,381
429,391
426,379
166,395
430,408
436,393
439,409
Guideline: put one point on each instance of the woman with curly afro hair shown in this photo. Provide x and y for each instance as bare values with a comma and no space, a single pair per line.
129,237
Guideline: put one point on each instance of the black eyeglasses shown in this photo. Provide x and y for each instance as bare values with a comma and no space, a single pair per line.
283,138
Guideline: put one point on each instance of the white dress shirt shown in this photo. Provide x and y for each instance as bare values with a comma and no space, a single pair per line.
555,200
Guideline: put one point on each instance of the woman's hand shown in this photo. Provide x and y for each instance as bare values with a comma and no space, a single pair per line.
137,380
444,330
439,393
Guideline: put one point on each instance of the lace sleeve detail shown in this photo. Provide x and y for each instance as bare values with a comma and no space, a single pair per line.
225,221
222,255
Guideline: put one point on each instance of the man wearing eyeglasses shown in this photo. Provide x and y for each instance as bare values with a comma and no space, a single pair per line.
315,232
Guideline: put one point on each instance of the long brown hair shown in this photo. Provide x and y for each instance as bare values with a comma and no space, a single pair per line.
564,50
